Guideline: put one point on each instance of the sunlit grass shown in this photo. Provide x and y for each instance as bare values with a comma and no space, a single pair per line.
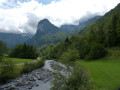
106,71
18,60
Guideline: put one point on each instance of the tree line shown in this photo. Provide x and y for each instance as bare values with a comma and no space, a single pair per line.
24,51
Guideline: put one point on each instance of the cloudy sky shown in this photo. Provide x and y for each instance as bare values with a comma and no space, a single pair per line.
22,16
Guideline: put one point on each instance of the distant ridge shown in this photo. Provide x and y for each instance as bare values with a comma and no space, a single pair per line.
14,39
81,25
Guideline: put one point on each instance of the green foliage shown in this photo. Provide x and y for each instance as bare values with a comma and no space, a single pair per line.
84,49
77,47
51,38
59,49
106,30
3,49
70,55
48,37
7,71
24,51
28,67
97,51
19,60
41,62
46,51
76,79
105,71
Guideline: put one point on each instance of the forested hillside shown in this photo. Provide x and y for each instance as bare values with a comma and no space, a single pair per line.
105,32
47,33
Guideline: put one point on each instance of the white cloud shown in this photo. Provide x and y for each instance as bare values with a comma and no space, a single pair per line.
24,16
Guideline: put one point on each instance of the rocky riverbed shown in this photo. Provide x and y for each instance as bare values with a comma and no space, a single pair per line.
38,79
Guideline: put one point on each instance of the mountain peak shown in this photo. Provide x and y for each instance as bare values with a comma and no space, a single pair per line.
45,26
44,21
46,33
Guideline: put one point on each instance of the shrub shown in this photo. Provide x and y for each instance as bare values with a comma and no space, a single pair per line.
41,62
28,67
3,49
97,51
77,79
70,55
7,71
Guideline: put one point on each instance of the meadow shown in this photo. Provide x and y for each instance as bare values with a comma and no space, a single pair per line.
18,60
105,72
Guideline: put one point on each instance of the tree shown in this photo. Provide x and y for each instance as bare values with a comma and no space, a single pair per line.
97,51
112,38
84,49
24,51
70,55
3,49
76,78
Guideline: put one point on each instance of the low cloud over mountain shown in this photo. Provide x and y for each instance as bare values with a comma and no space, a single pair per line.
22,16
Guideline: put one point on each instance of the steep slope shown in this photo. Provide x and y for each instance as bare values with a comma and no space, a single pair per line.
47,33
44,26
81,25
13,39
106,30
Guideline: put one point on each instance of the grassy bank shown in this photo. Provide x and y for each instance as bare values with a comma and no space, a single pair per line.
18,60
10,71
106,71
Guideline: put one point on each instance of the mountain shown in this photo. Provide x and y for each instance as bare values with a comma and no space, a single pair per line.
105,30
95,37
13,39
44,26
47,33
80,25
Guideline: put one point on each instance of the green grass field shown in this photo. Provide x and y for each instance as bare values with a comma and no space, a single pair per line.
18,60
106,71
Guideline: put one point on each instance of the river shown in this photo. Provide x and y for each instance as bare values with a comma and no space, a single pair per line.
47,85
39,79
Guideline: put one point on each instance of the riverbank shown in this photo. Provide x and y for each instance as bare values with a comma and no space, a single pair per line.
38,79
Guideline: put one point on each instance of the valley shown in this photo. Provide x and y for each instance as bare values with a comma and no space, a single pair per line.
80,52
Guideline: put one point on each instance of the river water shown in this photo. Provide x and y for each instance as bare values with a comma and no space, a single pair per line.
39,79
47,85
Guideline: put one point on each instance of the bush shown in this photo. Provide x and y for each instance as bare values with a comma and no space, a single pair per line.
70,55
7,71
3,49
97,51
77,79
41,62
28,67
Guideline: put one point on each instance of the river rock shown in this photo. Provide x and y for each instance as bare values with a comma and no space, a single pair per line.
30,80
